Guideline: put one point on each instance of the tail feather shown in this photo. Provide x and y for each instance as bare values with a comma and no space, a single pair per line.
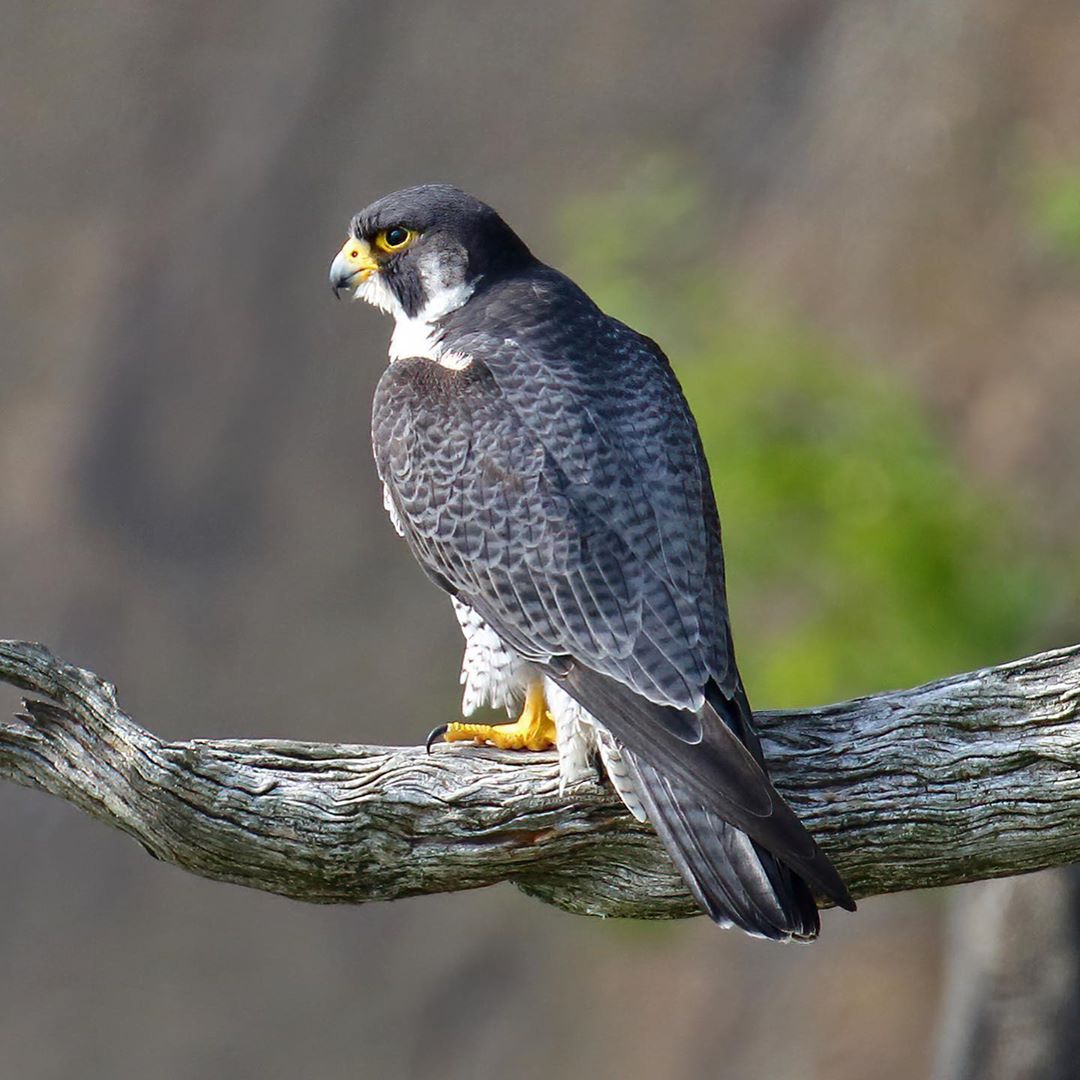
735,880
722,769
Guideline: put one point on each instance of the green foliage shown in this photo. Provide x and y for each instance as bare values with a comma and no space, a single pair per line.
859,555
1054,209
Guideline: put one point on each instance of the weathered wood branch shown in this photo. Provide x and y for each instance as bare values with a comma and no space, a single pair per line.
976,776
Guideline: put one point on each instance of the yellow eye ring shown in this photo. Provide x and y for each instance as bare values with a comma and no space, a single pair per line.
396,238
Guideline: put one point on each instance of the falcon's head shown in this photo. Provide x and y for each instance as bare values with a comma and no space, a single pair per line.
421,252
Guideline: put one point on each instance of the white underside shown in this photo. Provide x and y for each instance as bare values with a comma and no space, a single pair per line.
418,338
494,676
417,335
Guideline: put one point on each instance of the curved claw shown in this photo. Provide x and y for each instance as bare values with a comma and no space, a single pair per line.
434,735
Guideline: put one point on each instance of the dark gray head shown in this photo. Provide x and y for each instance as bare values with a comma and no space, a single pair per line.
421,252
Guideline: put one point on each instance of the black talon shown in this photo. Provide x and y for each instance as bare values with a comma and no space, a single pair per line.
434,734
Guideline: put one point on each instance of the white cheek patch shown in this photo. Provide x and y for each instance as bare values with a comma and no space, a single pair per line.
417,336
445,287
377,293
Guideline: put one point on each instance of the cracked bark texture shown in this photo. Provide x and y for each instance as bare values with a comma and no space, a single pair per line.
972,777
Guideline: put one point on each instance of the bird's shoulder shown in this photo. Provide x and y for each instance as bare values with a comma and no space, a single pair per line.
541,322
577,422
606,405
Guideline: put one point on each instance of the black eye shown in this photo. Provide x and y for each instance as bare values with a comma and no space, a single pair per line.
396,236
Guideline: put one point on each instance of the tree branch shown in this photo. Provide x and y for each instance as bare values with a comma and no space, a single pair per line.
976,776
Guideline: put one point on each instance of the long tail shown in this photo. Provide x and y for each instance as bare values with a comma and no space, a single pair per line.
702,782
736,881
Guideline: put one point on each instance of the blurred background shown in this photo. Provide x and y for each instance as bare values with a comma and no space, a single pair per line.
855,228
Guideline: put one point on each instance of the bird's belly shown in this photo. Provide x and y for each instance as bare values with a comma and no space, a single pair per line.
491,674
494,675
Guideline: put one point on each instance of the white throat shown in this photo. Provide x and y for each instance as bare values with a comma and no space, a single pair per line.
417,335
420,337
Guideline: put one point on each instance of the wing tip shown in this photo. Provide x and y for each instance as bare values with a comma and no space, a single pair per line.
734,879
824,879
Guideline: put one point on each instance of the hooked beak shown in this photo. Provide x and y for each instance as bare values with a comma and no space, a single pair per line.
352,266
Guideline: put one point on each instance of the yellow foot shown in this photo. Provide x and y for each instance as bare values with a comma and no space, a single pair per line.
532,730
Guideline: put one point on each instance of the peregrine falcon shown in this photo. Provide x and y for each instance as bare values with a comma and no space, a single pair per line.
541,462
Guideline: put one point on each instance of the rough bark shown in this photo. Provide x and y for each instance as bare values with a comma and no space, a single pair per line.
976,776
